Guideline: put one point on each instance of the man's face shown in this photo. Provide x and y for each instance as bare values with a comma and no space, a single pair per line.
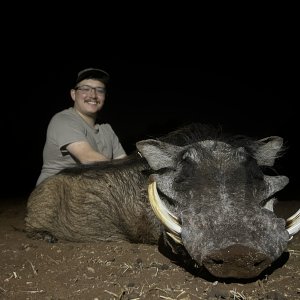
89,96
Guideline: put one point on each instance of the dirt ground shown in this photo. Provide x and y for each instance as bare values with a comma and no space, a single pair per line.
33,269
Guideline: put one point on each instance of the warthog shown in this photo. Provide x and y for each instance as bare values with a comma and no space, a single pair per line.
210,201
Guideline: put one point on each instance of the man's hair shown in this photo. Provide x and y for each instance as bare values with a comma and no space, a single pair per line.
92,73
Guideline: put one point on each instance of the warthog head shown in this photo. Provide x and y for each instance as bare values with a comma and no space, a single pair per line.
215,202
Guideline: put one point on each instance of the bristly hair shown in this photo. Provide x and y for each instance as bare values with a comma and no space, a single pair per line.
192,133
196,132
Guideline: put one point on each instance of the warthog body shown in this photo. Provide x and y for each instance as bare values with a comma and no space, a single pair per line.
216,203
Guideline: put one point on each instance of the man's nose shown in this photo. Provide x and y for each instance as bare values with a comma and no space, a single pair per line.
93,92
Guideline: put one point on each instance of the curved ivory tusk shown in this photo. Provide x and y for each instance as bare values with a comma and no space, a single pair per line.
293,223
161,211
175,237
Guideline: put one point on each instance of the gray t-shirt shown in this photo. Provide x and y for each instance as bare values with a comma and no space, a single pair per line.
68,127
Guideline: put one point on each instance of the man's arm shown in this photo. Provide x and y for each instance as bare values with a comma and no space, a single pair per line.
84,153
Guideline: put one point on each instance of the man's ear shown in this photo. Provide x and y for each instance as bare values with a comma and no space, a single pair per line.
72,93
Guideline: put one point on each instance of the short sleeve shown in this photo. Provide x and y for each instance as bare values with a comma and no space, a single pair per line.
65,129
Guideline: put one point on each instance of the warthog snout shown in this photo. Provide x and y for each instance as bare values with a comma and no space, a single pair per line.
236,261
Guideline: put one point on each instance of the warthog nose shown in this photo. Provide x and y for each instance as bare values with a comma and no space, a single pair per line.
236,261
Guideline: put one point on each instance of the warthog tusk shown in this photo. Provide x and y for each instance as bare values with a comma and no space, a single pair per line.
293,223
163,214
175,237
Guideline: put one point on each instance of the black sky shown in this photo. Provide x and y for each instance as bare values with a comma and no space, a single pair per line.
147,97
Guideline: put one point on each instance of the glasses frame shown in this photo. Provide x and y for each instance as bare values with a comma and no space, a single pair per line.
86,89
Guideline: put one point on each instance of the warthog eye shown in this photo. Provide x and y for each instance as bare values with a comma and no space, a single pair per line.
187,172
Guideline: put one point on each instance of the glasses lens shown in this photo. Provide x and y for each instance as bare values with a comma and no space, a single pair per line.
85,89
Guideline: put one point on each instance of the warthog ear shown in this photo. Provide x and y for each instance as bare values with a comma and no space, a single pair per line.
158,154
268,150
274,184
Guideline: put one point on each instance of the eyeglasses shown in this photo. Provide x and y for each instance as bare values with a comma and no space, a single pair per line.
85,89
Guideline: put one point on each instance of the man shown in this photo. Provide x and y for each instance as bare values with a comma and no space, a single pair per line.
73,136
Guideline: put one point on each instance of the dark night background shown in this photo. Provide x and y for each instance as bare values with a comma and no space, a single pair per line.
239,73
149,98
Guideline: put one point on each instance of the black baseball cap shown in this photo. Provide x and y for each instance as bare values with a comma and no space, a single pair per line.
92,73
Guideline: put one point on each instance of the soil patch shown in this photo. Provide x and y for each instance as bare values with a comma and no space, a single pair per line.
33,269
